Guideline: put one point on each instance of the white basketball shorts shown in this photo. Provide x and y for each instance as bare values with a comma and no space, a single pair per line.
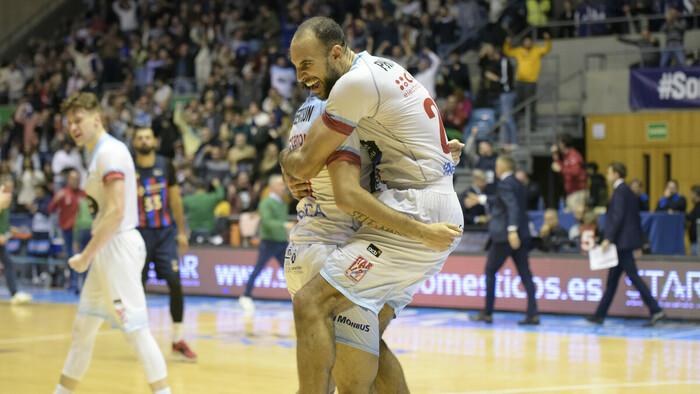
357,327
375,267
113,289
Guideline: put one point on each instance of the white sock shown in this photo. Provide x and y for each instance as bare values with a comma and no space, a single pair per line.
163,391
178,332
61,390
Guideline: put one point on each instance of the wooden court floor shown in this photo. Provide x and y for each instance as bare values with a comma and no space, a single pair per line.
441,352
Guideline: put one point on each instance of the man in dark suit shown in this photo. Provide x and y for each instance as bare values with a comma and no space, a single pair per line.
623,227
510,236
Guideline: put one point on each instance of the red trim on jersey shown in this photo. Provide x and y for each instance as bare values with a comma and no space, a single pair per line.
112,175
337,125
344,155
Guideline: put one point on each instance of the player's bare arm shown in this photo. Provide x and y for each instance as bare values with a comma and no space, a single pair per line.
107,228
361,205
178,211
306,162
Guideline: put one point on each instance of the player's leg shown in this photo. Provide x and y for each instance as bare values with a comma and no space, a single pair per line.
315,305
84,332
150,357
390,376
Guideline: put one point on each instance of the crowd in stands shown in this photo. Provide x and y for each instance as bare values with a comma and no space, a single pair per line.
213,80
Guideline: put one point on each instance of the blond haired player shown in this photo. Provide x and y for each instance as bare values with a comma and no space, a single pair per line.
115,253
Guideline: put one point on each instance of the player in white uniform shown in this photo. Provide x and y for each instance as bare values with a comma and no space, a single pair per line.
113,290
321,227
409,229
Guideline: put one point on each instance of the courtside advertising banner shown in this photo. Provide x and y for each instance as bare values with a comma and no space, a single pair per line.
665,88
565,284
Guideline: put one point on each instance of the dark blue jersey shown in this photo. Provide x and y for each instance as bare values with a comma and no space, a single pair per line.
154,211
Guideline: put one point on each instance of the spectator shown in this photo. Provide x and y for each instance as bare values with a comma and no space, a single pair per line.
552,237
427,71
617,9
15,82
649,47
598,190
455,112
67,157
241,155
484,159
39,209
242,194
456,74
489,90
504,78
476,214
674,27
636,186
215,166
537,11
693,217
532,189
274,228
445,29
18,297
569,162
567,15
269,163
529,59
282,77
575,230
199,211
671,202
126,12
67,201
29,179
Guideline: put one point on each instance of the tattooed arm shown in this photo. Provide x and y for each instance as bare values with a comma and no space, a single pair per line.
360,204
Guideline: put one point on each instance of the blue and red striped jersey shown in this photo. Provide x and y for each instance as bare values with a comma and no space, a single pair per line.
153,183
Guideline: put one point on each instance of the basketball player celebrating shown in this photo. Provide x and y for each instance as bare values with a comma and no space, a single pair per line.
113,289
388,258
162,226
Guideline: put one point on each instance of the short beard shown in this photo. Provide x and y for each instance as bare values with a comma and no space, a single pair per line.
145,150
332,76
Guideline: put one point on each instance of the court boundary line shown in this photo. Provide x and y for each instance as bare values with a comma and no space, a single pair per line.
584,387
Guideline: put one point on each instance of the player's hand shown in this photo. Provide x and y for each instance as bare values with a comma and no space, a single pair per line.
456,150
5,198
637,253
298,187
183,243
439,236
605,245
545,230
514,240
471,200
556,167
79,262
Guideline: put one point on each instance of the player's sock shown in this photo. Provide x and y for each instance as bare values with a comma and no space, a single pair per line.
163,391
61,390
178,332
148,353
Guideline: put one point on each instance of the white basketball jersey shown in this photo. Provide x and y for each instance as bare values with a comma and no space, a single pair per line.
111,160
397,121
320,220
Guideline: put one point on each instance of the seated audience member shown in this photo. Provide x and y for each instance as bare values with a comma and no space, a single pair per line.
636,186
671,202
199,211
579,214
241,155
552,237
483,159
693,217
532,188
598,189
584,242
477,213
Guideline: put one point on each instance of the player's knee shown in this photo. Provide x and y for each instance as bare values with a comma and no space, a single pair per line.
355,383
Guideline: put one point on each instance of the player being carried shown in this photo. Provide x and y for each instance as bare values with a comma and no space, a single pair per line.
409,229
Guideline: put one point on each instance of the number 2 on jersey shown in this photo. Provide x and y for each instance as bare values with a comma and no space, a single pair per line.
428,104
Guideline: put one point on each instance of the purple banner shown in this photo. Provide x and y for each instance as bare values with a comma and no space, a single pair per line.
665,88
